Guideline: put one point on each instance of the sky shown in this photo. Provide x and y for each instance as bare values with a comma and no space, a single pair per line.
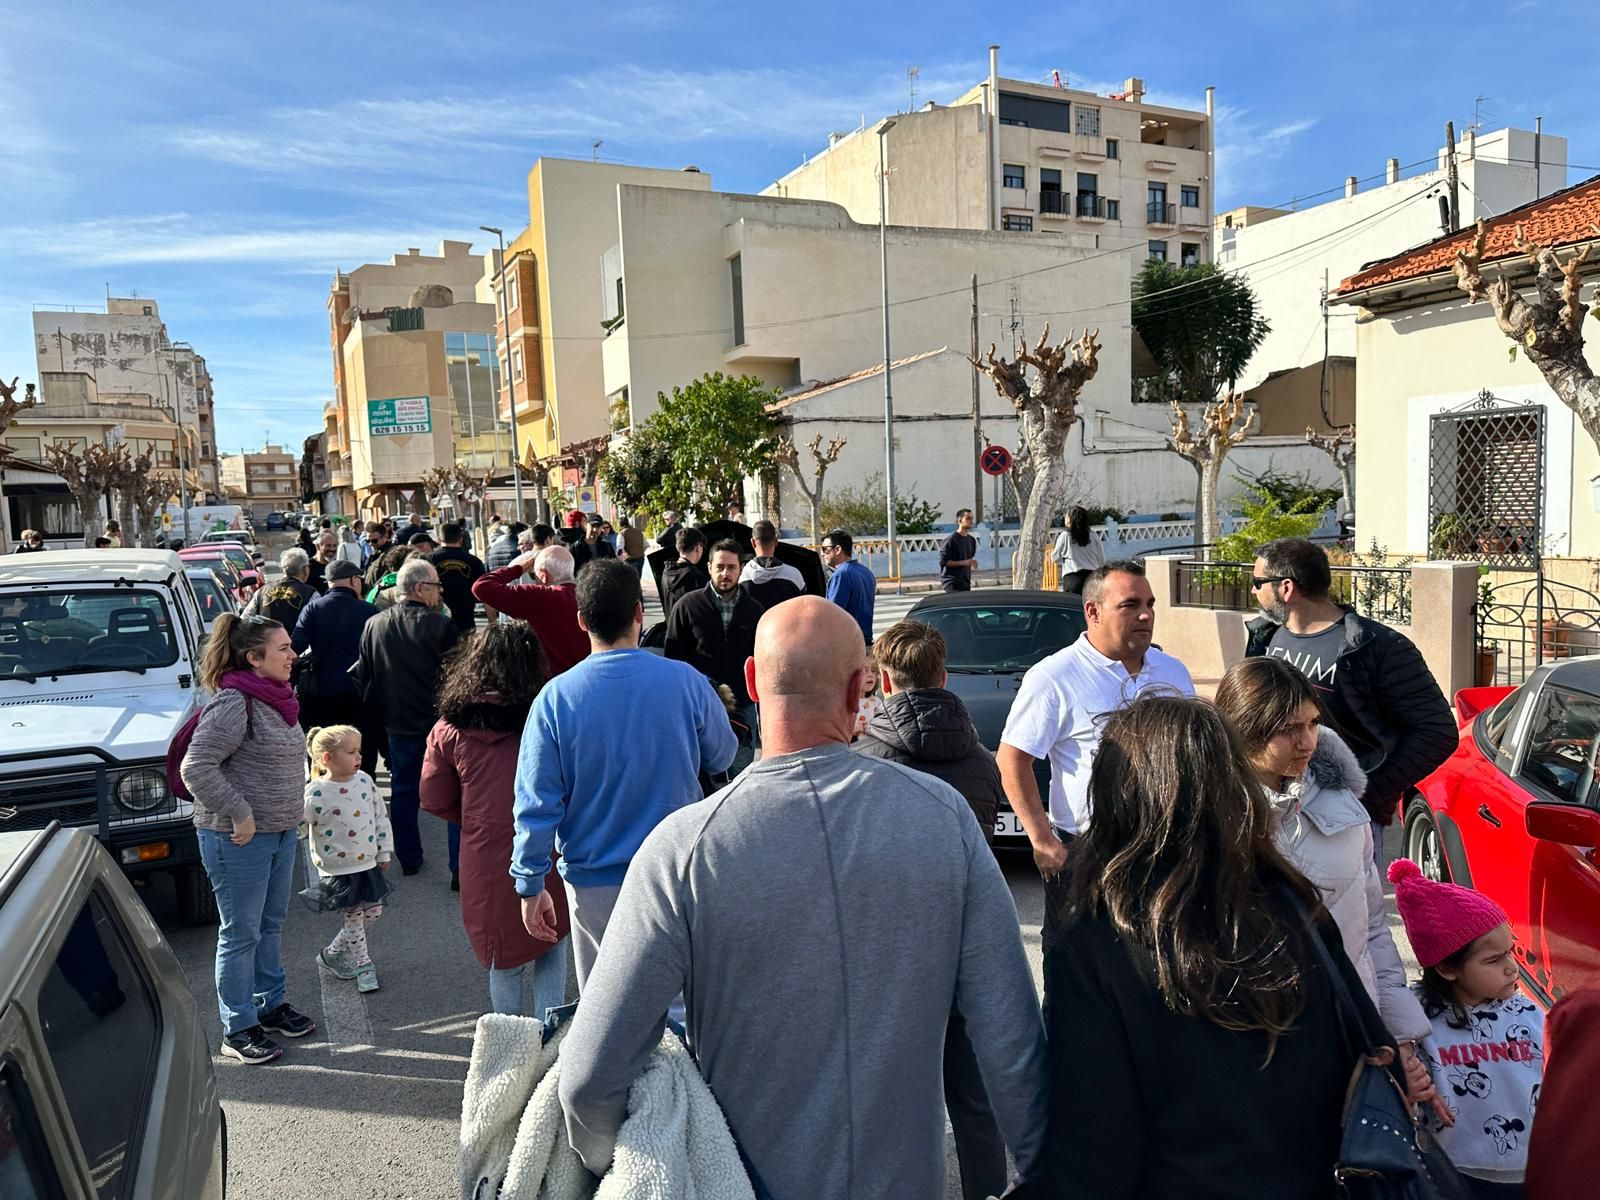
227,160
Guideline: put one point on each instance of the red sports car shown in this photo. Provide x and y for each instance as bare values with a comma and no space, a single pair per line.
1515,813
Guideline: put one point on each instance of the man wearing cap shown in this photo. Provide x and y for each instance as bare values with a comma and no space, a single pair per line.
330,627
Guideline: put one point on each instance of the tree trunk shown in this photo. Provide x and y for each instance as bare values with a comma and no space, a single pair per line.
125,518
816,513
1209,527
94,523
1347,485
1049,478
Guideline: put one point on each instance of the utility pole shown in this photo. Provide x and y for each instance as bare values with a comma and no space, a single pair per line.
1322,394
977,424
511,378
1452,175
888,391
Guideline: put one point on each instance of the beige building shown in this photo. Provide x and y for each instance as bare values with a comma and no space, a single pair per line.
557,314
414,378
1030,158
1460,488
262,481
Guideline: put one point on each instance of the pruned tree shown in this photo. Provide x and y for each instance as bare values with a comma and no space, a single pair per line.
10,406
1549,328
87,473
1340,446
788,455
1047,408
151,489
123,474
1222,425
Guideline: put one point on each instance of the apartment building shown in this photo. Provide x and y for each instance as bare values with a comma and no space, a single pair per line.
414,378
558,319
1020,157
262,481
1288,255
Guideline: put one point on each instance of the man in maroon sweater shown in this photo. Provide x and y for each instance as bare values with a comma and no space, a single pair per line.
550,606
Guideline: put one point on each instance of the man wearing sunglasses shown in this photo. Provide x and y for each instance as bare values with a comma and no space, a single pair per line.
1372,681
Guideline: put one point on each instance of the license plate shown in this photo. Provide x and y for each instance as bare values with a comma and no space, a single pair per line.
1008,824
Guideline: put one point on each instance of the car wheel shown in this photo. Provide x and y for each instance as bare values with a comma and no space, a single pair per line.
1423,843
197,903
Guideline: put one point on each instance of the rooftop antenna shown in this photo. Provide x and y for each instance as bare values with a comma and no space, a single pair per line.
1478,115
913,73
594,147
1055,78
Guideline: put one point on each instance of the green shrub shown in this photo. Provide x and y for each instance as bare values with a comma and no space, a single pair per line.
860,510
1294,493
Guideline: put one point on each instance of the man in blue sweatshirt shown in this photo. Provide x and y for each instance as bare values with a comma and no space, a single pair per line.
852,586
575,795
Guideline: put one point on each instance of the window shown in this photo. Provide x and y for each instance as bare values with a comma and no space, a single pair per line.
1016,176
24,1160
985,640
513,299
1157,210
1189,254
1035,112
1111,147
1561,744
1113,210
1189,197
1088,183
1158,250
1018,224
736,273
26,447
99,1020
1050,199
1087,121
516,364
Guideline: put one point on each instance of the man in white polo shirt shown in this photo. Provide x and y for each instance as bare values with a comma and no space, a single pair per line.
1059,710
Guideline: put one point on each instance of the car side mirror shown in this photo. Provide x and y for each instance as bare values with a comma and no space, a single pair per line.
1565,824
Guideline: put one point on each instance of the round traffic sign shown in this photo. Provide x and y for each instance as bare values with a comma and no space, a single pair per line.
996,460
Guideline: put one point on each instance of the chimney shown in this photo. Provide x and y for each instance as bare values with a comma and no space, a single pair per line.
1472,144
1133,89
1351,183
413,251
1391,171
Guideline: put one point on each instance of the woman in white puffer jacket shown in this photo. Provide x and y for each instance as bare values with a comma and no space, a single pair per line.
1314,784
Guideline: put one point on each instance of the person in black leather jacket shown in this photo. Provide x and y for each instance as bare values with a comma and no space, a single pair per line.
684,575
923,726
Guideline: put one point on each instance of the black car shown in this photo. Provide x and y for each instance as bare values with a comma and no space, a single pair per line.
992,637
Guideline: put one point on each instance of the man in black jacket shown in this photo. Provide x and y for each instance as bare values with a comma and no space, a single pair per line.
684,575
330,627
1377,690
769,581
458,570
926,728
402,649
714,631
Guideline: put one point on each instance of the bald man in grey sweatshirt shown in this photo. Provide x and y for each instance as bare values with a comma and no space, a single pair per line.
822,916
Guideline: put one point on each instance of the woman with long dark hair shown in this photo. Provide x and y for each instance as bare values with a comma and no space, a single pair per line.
246,768
1077,551
469,778
1196,1049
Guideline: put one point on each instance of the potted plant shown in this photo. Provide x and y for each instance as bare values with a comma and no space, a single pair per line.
1450,537
1488,653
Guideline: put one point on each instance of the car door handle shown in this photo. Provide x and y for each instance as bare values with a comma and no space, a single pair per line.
1488,815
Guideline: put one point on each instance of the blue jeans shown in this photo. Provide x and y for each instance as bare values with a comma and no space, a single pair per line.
549,984
252,884
405,780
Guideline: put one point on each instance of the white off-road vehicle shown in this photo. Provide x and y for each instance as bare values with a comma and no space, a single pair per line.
99,668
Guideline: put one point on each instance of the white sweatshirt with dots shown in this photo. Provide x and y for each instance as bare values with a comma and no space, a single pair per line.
348,824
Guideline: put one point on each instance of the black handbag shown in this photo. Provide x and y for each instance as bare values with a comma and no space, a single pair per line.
1384,1153
304,677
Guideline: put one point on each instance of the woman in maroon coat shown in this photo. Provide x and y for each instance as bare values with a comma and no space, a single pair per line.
467,777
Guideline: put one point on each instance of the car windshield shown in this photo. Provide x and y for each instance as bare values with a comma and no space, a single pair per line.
67,632
212,601
981,638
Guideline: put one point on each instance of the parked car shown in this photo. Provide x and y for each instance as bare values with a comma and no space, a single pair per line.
106,1082
250,575
276,522
99,666
211,593
238,537
1515,814
992,637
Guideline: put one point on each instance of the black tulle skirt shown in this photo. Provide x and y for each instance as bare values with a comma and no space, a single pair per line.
335,893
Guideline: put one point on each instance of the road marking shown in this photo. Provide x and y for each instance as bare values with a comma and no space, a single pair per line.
344,1013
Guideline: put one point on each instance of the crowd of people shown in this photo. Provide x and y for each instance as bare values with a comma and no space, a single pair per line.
810,896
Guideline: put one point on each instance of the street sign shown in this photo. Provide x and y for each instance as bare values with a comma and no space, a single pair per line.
166,522
405,414
996,460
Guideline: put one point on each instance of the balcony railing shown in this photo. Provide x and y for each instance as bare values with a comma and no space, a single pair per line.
1157,213
1053,202
1091,207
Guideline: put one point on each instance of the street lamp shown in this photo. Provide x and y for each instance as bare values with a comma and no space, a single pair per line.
511,379
888,391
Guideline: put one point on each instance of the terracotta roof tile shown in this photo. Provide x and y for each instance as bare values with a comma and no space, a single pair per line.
1557,220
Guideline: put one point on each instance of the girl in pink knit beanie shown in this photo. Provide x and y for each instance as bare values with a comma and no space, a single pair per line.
1486,1051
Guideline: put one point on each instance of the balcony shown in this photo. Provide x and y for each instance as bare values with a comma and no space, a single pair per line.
1091,207
1053,204
1192,216
1158,213
339,478
1161,164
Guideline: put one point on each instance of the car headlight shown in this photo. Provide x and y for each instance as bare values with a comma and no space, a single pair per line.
142,790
